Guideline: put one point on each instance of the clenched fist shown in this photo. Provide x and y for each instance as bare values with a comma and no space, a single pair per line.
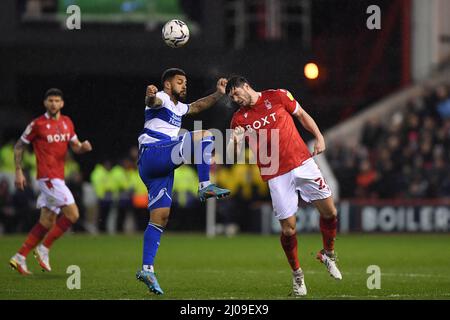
238,134
151,91
86,146
221,85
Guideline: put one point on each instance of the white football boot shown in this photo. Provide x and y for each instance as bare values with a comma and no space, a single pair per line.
298,283
41,255
329,260
19,263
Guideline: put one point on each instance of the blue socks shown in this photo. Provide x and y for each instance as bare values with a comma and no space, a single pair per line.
152,236
203,156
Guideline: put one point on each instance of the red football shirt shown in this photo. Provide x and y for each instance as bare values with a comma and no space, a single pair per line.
50,139
273,111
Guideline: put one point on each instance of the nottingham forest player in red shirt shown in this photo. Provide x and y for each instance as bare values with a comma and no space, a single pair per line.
50,135
267,116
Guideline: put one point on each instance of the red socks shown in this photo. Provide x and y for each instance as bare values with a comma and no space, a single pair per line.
34,237
328,228
289,244
61,226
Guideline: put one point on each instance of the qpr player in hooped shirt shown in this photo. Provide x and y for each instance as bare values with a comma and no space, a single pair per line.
162,149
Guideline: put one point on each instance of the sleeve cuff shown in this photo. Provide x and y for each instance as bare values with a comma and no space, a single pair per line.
24,140
75,137
297,107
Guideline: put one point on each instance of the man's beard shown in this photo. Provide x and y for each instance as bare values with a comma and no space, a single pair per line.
52,114
248,100
178,96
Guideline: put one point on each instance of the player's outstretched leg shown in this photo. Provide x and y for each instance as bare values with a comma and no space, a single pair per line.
328,228
203,144
152,238
36,234
67,218
288,241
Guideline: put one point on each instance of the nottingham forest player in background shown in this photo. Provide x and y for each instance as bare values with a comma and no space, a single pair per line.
50,135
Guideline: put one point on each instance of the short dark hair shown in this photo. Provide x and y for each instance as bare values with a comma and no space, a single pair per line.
170,73
53,92
235,82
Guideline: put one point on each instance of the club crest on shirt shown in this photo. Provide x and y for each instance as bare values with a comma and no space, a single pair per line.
267,104
48,126
245,115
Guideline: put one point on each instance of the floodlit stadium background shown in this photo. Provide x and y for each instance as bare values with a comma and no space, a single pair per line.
381,97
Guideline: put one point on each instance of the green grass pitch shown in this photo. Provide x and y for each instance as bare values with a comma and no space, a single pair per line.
191,266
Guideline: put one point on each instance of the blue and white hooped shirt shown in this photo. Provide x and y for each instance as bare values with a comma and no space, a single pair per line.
163,122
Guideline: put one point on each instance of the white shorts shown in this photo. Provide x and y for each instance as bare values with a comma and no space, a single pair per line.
54,195
306,178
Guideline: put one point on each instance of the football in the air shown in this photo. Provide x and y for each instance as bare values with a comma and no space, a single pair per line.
175,33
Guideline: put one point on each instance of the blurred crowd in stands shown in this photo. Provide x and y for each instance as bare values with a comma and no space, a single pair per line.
404,156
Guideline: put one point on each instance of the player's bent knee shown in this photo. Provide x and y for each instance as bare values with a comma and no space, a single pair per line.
47,222
200,135
326,208
206,133
160,216
72,213
47,218
334,213
330,212
160,222
164,221
288,230
288,226
75,216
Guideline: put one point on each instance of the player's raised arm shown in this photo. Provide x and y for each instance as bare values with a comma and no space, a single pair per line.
208,101
151,100
19,149
309,124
